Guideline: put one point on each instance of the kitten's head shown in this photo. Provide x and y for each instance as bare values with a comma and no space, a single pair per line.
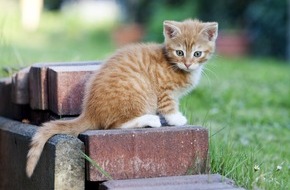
189,44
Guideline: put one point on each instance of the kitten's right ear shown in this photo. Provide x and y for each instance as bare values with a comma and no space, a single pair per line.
210,30
170,29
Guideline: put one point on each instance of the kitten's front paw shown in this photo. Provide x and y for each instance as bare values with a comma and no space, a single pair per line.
154,121
175,119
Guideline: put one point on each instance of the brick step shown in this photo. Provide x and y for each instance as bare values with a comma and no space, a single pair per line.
66,88
192,182
41,74
60,166
53,90
147,152
45,91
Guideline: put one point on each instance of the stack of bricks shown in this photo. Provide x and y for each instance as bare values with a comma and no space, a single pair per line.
55,90
45,91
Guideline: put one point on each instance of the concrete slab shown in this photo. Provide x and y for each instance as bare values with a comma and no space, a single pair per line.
192,182
147,152
7,107
20,87
60,166
5,96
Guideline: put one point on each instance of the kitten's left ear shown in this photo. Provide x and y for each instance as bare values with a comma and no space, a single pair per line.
170,29
210,30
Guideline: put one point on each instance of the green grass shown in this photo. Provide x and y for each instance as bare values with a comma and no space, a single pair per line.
96,165
60,37
244,102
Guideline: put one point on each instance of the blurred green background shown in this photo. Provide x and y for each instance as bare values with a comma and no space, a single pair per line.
244,95
71,30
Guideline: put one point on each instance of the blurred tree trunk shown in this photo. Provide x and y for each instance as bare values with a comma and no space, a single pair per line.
30,13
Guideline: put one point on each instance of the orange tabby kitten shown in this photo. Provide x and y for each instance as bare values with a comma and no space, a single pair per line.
137,83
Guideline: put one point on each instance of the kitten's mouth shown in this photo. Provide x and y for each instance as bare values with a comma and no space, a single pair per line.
188,68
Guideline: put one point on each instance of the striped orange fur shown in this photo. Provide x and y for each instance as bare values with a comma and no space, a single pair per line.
138,82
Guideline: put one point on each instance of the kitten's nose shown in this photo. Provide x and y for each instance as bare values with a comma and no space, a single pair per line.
187,65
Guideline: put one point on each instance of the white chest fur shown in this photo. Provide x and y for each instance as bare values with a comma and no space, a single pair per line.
194,80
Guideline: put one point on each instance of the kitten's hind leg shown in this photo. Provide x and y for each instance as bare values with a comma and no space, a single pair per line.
142,121
168,108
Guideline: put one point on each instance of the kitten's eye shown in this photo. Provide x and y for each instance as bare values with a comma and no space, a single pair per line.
179,53
197,54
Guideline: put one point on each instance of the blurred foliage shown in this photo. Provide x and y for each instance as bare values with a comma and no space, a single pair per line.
53,4
265,21
153,13
267,25
228,13
60,37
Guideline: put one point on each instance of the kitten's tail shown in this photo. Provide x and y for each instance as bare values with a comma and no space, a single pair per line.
49,129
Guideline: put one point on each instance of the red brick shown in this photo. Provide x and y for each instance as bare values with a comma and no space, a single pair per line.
20,90
7,107
147,152
38,82
38,87
66,87
200,182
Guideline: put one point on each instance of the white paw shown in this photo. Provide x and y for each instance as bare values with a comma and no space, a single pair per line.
175,119
153,121
142,121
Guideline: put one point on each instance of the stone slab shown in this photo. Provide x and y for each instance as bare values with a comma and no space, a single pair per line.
192,182
37,117
20,88
60,166
5,96
17,111
38,87
66,88
7,107
146,152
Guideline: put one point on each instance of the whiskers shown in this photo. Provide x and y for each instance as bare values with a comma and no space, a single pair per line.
207,72
216,55
206,76
211,72
207,69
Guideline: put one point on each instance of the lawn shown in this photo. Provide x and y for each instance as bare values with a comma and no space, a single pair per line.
244,102
60,37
